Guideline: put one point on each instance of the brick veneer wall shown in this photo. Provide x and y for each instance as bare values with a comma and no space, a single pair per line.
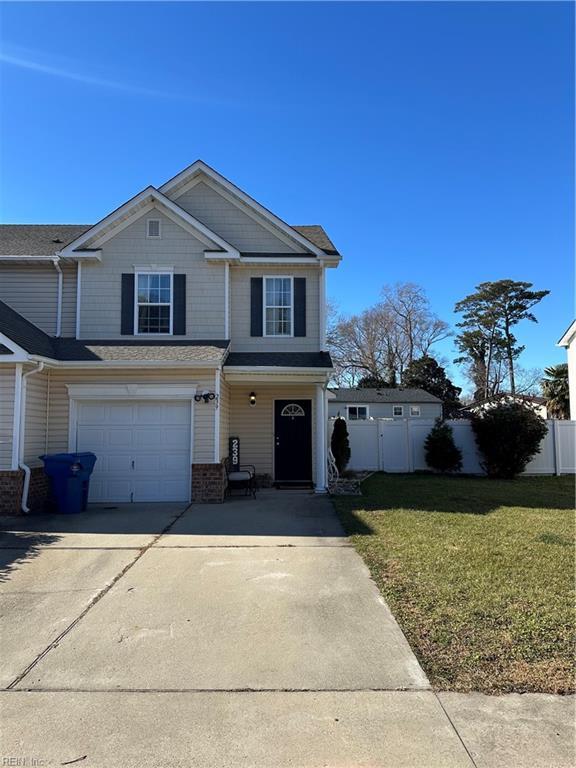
208,482
11,484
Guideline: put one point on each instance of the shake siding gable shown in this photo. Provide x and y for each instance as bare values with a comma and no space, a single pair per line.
231,222
177,249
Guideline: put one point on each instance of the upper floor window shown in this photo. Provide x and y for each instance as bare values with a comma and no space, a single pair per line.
414,410
153,229
278,306
398,410
357,412
153,302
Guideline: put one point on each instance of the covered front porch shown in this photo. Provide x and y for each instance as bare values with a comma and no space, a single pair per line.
281,424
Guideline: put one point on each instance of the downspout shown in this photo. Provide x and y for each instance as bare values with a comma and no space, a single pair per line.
217,389
22,431
58,269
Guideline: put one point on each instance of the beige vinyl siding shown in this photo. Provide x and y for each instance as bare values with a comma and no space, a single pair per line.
230,221
385,411
31,290
203,449
240,310
255,425
36,413
177,249
7,377
69,300
224,406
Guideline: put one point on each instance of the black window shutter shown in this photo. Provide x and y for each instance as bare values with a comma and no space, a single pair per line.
256,299
127,306
299,306
179,309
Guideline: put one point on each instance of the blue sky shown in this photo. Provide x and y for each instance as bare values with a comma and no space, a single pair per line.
434,141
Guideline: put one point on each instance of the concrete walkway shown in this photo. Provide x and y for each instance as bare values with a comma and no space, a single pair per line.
243,634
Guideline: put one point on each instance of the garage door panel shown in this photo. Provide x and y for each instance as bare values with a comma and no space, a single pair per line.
166,490
109,463
176,437
143,449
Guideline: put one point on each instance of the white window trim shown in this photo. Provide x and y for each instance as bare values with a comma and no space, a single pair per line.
278,335
137,332
415,408
153,237
398,415
357,406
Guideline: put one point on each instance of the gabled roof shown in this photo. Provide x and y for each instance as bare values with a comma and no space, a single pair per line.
105,227
185,177
388,395
47,239
568,335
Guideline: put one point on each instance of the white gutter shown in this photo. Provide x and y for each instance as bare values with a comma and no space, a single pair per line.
78,295
17,411
21,435
217,456
59,298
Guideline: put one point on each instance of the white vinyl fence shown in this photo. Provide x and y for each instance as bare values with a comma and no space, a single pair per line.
398,446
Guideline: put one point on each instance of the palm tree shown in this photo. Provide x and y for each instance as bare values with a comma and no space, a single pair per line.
556,391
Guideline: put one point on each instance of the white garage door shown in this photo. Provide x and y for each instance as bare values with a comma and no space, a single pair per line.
143,449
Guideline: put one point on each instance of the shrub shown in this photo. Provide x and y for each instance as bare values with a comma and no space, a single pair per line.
340,444
442,453
508,437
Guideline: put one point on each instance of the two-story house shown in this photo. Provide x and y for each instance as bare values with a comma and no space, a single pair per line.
188,315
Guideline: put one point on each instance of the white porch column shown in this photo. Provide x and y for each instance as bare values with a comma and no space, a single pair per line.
320,439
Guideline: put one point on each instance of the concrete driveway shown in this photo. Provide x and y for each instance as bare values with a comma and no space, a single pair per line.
243,634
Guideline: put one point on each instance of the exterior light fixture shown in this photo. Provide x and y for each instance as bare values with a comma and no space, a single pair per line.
252,399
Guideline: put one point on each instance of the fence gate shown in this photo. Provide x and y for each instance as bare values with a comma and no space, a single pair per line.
394,446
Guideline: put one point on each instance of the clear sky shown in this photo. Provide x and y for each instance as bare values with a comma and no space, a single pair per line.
434,141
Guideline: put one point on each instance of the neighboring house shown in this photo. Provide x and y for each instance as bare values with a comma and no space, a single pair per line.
538,404
392,403
568,340
188,315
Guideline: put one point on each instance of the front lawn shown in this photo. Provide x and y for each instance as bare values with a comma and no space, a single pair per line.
479,574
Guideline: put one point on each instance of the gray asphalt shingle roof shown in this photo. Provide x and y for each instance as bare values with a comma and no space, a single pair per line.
47,239
24,333
391,395
37,239
36,342
280,359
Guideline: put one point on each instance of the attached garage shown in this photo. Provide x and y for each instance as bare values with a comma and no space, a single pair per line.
142,435
143,449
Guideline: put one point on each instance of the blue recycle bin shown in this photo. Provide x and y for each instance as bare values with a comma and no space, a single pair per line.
70,476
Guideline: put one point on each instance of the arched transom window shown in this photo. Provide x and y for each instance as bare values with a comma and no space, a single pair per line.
293,409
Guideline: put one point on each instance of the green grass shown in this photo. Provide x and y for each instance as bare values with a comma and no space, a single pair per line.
479,574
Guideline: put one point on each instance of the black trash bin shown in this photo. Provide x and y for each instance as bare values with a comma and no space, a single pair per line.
70,476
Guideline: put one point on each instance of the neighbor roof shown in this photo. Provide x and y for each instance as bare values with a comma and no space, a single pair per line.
47,239
385,395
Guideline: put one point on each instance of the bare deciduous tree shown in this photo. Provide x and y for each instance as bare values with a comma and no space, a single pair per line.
381,341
